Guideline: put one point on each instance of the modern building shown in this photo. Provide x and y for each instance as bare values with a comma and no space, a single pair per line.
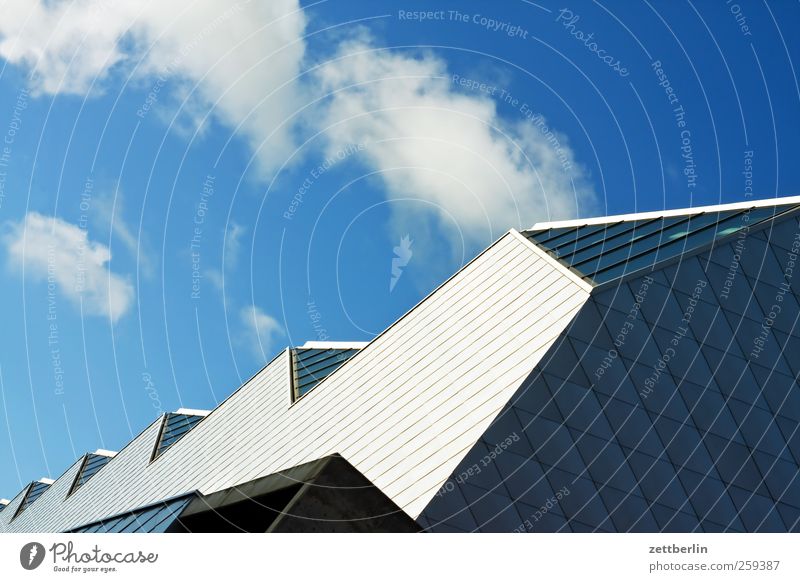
630,373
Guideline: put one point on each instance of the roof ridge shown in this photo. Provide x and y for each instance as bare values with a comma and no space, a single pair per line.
778,201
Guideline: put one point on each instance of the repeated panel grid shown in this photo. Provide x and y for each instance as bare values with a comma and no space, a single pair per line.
687,421
602,253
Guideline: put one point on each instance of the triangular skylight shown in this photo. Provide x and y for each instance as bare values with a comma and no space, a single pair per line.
603,252
315,361
92,463
174,426
33,493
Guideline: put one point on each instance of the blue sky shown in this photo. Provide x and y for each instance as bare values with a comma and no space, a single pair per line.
187,189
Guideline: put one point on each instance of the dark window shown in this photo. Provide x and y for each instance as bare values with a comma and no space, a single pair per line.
33,493
311,366
174,428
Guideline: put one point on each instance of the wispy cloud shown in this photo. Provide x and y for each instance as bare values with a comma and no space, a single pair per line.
261,331
60,253
476,171
233,244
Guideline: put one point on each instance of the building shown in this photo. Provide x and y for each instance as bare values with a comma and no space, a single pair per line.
632,373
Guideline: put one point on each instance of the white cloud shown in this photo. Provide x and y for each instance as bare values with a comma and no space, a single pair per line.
261,330
242,56
108,212
60,253
430,142
450,149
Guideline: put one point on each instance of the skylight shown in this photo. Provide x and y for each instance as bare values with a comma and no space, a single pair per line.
33,493
92,463
175,426
310,366
152,519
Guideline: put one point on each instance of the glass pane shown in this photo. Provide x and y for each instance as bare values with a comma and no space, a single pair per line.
641,229
555,236
588,235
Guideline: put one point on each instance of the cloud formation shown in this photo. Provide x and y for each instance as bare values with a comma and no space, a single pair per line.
60,253
433,143
428,140
240,56
470,172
